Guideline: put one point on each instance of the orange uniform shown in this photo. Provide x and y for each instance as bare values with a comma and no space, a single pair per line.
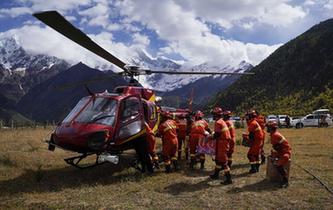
182,125
232,141
222,145
262,122
256,138
281,148
151,144
168,132
198,129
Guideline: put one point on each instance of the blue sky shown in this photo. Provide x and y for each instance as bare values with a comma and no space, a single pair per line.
220,32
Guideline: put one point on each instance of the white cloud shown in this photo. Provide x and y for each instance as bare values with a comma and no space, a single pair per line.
140,39
39,40
98,14
329,5
15,11
60,5
229,12
188,36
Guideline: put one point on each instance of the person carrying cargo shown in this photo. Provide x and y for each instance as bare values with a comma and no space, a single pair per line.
281,152
199,130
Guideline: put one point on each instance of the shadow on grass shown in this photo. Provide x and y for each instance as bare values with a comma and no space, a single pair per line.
240,165
263,185
52,180
184,187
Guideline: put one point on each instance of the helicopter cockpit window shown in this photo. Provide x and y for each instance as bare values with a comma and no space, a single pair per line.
76,109
131,108
100,111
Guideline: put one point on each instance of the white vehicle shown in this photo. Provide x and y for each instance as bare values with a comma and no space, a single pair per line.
271,118
316,120
281,119
321,111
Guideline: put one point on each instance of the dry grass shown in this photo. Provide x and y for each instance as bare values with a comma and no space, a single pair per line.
33,178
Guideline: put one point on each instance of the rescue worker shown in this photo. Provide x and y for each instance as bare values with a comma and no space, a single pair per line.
168,132
232,131
255,135
199,130
262,122
281,152
151,145
222,137
182,125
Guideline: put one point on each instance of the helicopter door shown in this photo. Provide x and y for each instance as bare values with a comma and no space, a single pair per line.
131,119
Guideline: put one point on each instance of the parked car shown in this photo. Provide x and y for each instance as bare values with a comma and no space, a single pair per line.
271,118
281,119
315,120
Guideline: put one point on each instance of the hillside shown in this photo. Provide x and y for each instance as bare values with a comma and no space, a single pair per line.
54,98
296,79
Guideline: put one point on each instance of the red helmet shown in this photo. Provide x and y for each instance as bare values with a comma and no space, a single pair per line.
272,125
251,114
199,114
227,113
217,111
166,114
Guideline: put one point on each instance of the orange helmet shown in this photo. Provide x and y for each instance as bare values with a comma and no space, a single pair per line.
199,114
251,114
217,111
227,113
272,125
166,114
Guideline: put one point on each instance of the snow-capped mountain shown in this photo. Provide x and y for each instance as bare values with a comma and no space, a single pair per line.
24,70
165,82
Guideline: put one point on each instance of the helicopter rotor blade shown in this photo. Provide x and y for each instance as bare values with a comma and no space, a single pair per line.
148,72
60,24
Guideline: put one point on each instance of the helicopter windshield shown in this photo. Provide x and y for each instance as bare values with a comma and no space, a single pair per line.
99,110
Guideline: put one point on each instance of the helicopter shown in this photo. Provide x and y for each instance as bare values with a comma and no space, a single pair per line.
107,124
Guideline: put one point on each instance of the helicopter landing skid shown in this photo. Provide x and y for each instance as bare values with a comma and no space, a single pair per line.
74,161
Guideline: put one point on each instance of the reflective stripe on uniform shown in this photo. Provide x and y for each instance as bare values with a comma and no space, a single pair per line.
224,129
192,155
169,127
173,158
252,163
218,166
226,169
282,140
198,124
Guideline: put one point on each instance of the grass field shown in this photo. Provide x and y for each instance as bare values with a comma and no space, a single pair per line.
31,177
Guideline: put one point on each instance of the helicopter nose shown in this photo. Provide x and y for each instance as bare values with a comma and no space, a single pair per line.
97,140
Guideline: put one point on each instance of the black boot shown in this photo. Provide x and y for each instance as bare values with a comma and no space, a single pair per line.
192,163
227,179
257,167
175,165
202,165
284,183
216,174
186,153
229,163
263,159
179,155
167,168
253,169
